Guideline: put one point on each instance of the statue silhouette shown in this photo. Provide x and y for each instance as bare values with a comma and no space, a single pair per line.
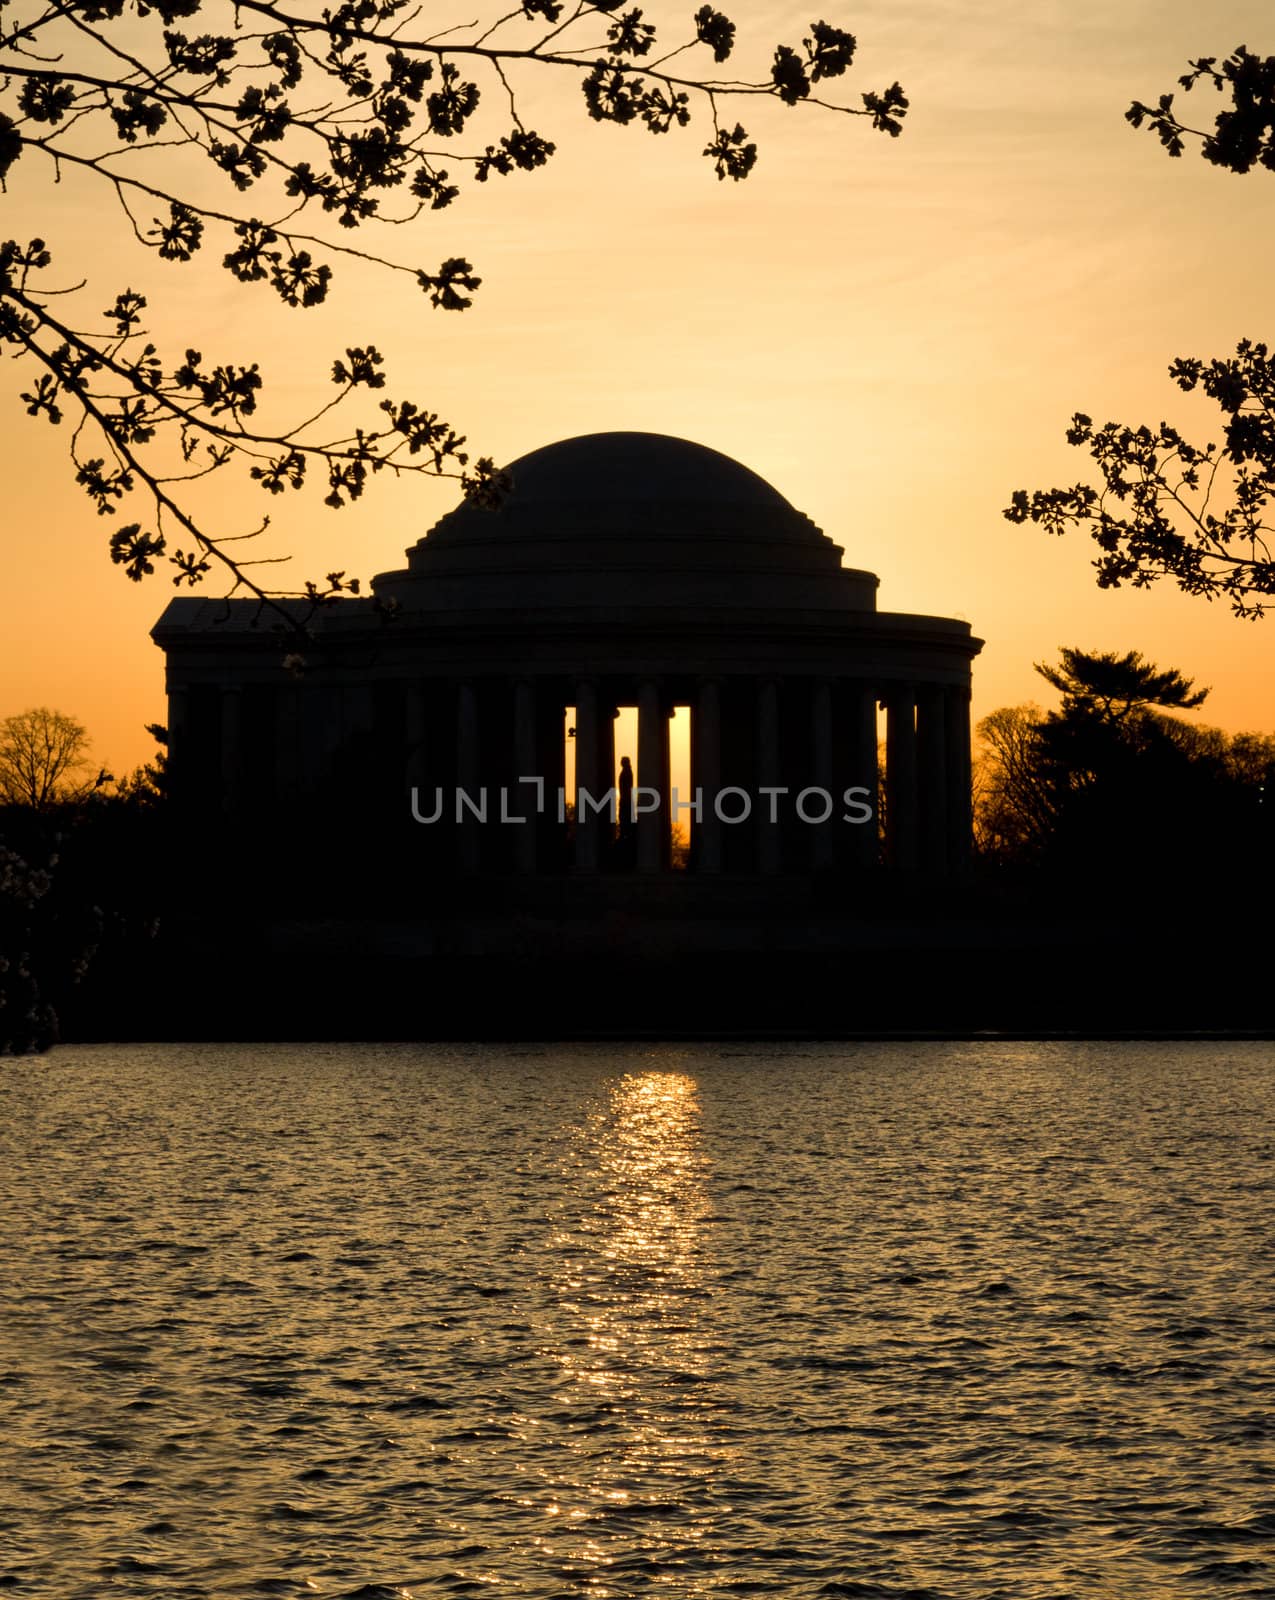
626,847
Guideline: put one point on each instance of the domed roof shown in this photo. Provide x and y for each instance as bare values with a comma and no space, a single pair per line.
626,518
646,468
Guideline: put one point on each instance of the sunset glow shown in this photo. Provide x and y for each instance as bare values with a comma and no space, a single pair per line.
894,332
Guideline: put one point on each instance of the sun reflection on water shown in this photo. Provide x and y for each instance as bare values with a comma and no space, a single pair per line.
934,1318
640,1391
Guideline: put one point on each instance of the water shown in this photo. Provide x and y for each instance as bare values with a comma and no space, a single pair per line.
940,1320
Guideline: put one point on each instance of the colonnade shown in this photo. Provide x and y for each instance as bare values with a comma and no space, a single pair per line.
784,769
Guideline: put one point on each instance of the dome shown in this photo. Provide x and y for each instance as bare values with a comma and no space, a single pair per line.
632,519
645,468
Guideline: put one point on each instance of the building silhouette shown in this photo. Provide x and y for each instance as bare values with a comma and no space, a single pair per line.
621,570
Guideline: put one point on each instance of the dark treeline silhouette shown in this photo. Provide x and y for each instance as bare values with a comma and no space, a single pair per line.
1108,830
84,865
1110,789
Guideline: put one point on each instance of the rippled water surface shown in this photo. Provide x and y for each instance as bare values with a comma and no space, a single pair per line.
928,1320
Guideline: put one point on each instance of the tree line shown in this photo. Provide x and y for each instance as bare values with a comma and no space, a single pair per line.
1110,791
83,859
1111,786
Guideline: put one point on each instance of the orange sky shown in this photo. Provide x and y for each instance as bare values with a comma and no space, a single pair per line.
894,332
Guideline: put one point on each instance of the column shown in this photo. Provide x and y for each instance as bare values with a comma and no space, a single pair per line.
177,762
665,785
332,715
231,748
900,780
311,724
522,798
652,825
550,764
706,731
865,837
960,822
417,760
587,819
932,778
467,777
604,778
415,734
821,843
357,754
360,710
768,832
287,736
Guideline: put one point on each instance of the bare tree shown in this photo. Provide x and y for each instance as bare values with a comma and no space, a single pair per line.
1014,809
44,759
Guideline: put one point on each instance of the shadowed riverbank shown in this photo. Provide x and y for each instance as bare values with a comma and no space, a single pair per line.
631,970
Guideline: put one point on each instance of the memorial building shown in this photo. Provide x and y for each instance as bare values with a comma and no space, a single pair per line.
438,720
